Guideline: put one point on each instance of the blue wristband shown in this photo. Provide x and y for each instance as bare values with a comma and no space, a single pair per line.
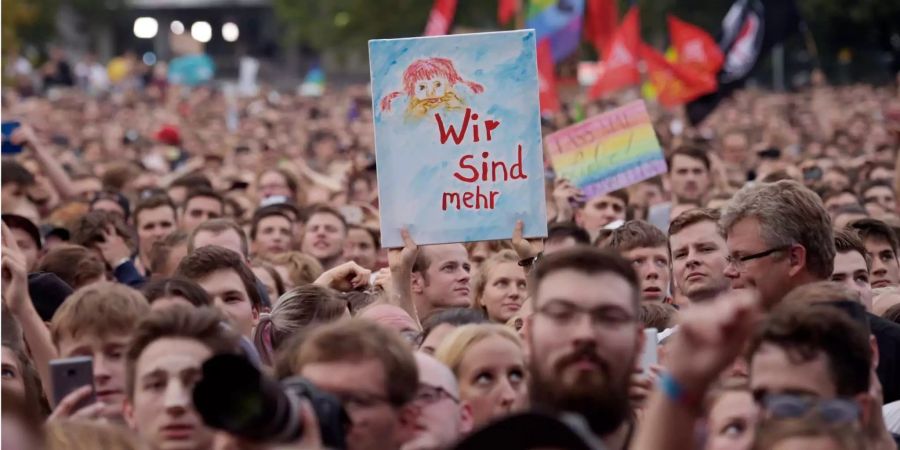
671,387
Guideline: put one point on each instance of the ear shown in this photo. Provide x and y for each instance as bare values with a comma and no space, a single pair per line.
128,414
797,259
417,283
866,405
579,220
466,419
255,313
876,357
407,416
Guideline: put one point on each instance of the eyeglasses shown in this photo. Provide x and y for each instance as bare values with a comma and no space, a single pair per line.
563,313
429,394
352,401
832,411
738,261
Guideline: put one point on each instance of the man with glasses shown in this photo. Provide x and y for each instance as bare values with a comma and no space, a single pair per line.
586,330
443,417
374,374
779,237
816,359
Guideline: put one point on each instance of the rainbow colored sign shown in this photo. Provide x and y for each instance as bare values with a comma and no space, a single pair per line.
607,152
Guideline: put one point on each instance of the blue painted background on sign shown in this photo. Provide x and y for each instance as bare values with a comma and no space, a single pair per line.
494,75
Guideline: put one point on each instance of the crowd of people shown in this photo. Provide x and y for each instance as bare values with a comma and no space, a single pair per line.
747,299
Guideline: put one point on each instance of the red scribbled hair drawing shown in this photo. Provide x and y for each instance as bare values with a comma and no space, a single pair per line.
423,69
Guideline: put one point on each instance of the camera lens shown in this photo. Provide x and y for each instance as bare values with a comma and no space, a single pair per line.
244,402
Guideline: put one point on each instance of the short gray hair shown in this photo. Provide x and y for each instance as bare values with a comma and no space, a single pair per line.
788,213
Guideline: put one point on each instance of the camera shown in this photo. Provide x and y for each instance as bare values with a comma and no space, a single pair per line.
235,397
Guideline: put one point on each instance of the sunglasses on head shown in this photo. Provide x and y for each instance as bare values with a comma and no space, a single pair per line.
833,411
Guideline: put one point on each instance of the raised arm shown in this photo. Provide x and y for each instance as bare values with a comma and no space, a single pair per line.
17,299
709,338
52,168
401,261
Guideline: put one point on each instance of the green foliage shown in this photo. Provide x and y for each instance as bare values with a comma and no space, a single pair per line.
34,21
341,25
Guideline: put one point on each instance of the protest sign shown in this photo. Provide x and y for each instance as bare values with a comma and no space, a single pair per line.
458,137
607,152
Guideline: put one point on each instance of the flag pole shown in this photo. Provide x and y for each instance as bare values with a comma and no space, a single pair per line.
810,43
520,14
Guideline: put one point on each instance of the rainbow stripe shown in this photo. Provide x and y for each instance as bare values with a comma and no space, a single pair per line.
607,152
558,21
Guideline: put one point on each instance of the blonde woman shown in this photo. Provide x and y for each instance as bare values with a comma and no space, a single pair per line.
499,286
489,362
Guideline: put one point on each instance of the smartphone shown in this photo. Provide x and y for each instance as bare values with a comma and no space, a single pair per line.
7,130
649,354
70,374
812,173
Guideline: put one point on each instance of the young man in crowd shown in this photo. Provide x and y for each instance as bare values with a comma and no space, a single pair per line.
162,365
602,210
107,234
15,184
154,218
440,279
885,335
805,354
443,418
223,233
27,237
325,235
224,275
689,174
802,358
563,235
698,253
879,195
373,372
98,321
881,245
779,237
837,359
836,200
199,206
852,265
585,327
645,246
272,232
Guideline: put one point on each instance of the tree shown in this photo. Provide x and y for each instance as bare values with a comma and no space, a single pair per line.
345,25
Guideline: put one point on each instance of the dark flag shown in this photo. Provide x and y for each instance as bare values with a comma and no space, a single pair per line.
749,30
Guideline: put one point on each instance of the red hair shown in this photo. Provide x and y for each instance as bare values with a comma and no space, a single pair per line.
423,69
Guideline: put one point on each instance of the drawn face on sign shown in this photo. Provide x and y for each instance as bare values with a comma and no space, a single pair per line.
431,88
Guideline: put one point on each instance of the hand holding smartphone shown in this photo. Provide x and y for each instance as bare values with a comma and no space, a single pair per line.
649,353
70,374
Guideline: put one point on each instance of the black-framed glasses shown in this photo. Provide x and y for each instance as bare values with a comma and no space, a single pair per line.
429,394
738,261
361,401
835,411
563,313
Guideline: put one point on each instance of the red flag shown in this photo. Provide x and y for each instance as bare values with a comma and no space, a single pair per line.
619,68
547,78
507,9
600,23
440,18
675,84
695,47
